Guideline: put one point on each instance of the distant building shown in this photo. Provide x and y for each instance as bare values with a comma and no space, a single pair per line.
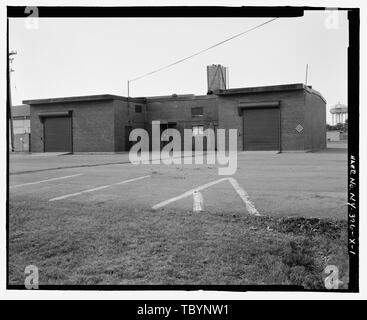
333,135
21,127
336,135
279,117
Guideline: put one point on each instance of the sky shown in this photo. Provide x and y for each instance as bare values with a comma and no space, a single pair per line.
86,56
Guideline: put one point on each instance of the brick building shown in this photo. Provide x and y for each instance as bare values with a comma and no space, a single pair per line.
21,127
281,117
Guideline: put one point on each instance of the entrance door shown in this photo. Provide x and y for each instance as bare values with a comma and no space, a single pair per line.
261,129
57,134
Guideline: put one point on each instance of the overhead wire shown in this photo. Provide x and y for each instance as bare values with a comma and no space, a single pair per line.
203,50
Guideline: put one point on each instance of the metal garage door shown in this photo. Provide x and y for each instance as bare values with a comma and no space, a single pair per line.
261,129
57,134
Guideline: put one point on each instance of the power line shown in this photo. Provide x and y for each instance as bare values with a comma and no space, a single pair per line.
202,51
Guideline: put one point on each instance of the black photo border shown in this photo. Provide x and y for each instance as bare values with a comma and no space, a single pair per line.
225,12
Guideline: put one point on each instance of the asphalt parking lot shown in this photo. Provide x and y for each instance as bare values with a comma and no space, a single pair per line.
286,184
98,219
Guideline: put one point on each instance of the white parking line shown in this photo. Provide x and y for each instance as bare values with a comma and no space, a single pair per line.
244,196
53,179
78,193
131,180
241,192
96,189
198,201
187,194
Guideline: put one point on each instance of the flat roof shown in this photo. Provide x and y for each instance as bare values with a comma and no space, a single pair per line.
273,88
221,92
282,87
97,97
179,97
115,97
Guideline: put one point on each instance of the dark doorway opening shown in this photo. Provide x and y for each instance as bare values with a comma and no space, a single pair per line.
164,126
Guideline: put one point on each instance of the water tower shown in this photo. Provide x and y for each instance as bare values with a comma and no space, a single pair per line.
217,77
339,113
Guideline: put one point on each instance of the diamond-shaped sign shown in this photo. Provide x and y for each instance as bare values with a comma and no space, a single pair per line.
299,128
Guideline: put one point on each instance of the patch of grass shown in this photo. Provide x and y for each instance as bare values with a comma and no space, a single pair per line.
74,243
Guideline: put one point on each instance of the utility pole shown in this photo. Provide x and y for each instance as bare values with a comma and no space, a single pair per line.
306,74
9,102
128,101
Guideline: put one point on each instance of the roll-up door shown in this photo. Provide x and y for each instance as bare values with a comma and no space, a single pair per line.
261,129
57,134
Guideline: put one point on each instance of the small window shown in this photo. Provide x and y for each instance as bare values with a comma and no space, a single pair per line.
138,108
197,131
197,111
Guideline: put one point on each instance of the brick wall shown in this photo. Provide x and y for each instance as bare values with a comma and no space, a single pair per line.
100,125
178,110
315,115
125,115
93,125
291,110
